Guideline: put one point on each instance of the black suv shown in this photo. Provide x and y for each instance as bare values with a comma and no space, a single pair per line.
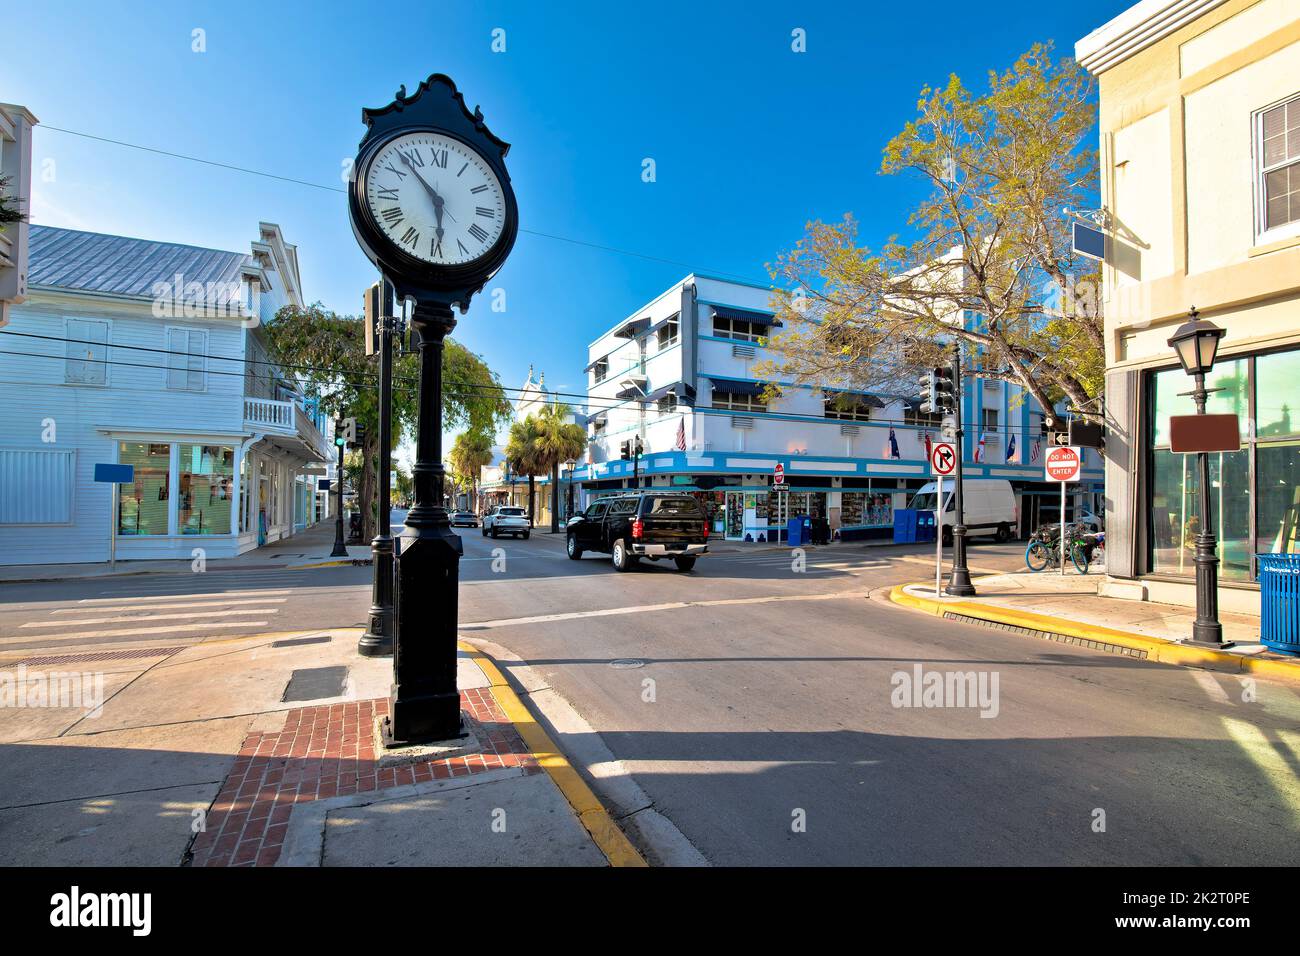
641,525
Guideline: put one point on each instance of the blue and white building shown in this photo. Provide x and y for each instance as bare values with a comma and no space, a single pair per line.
152,354
677,372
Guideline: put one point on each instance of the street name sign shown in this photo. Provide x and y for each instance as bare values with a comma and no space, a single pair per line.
1063,464
943,459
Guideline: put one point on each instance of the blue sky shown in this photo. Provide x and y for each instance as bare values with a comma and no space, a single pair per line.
750,139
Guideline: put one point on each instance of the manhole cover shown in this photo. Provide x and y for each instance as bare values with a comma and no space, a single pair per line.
626,663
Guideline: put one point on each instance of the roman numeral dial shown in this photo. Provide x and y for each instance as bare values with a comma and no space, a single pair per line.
435,198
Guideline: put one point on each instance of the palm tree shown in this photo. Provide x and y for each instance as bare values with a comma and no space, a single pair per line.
521,455
469,453
558,440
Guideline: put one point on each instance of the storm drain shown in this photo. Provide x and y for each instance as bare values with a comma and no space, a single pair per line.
315,683
1050,636
101,656
299,641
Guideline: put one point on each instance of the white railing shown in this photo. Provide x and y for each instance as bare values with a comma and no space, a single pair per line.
268,413
286,418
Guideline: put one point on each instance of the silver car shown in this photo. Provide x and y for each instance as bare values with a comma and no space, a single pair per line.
505,519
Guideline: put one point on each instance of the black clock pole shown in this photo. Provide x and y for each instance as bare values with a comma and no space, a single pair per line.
425,704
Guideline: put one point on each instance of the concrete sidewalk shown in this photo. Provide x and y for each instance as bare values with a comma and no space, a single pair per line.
1068,607
260,751
310,548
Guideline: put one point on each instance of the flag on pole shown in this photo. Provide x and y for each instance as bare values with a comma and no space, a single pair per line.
928,446
979,450
681,434
893,444
1011,448
1033,452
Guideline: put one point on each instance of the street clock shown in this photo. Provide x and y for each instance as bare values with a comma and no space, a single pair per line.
431,203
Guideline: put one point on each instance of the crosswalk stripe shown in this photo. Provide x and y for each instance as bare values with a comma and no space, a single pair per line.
170,629
164,597
152,617
216,601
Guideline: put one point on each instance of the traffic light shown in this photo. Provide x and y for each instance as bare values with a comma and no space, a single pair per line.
632,448
348,428
638,449
358,434
937,394
625,450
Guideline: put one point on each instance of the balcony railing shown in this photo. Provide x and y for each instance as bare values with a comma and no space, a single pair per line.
284,418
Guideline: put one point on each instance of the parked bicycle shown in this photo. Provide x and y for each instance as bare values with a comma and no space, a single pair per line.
1083,547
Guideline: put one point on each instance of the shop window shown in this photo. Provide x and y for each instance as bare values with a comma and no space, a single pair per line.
1175,512
1277,395
1277,503
1230,376
86,352
206,489
600,370
144,505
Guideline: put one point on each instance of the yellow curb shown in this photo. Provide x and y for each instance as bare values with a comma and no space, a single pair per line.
591,812
1164,652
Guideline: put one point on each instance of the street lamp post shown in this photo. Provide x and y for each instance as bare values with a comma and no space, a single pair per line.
340,549
1196,343
959,582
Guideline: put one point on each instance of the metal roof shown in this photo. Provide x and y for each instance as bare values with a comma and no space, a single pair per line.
116,265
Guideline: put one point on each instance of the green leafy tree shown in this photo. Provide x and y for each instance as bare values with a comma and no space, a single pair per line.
470,452
558,440
326,352
9,211
992,240
404,489
523,458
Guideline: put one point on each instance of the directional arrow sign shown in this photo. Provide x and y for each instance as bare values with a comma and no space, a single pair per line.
943,459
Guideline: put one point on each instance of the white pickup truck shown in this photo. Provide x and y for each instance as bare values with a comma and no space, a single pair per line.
503,519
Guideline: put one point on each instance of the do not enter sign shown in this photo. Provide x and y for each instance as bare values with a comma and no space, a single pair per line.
1063,464
943,459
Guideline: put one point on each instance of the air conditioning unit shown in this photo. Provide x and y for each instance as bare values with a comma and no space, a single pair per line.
742,351
849,430
741,422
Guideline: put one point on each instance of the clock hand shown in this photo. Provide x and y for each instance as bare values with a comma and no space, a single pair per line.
438,201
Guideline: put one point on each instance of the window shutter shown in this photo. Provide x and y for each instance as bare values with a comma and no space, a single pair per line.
198,349
86,352
177,340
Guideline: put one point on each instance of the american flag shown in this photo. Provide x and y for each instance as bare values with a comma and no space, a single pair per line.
681,434
979,451
1033,452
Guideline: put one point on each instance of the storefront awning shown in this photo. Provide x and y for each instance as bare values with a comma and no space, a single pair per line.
745,315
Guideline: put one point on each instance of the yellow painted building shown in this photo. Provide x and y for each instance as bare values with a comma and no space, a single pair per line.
1200,184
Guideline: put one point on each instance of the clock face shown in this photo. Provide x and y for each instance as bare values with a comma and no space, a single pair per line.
435,198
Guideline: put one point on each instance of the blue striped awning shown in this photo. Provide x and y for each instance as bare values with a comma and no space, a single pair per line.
736,387
745,315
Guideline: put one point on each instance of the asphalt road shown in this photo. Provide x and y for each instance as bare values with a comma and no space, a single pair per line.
768,731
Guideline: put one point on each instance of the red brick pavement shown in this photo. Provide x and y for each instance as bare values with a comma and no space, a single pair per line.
326,752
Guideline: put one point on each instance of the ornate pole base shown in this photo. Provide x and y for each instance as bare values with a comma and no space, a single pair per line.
1207,632
959,583
378,639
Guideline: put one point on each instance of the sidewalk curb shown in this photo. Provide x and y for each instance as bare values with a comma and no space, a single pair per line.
1163,652
605,833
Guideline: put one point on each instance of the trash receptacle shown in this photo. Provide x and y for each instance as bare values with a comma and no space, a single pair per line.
905,522
805,531
794,532
821,531
1279,597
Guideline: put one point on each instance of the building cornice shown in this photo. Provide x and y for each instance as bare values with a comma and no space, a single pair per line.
1137,28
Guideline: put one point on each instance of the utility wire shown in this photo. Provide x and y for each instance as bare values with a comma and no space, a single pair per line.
338,189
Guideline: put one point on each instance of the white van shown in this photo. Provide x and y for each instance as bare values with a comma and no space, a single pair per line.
988,503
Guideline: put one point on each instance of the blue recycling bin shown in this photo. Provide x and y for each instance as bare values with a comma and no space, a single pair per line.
905,523
1279,596
794,532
